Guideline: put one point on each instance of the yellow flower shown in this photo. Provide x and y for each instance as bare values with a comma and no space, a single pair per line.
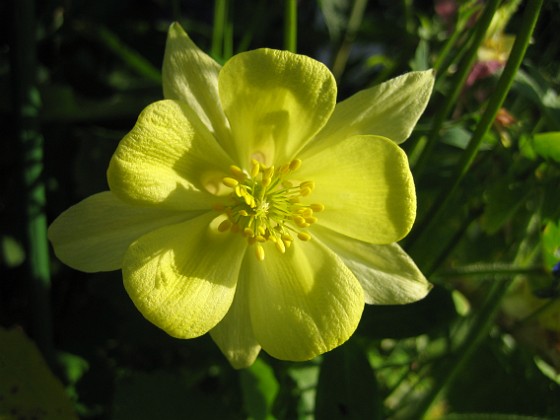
246,204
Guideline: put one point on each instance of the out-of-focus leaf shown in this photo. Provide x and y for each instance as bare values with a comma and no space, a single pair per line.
401,321
12,251
503,200
547,145
551,243
490,416
306,377
260,387
421,59
335,13
162,395
347,388
28,389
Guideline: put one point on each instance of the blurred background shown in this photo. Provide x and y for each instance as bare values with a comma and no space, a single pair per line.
485,343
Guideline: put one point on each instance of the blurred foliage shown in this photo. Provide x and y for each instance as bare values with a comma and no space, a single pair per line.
488,335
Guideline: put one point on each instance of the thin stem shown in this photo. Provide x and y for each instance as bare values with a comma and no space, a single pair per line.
219,24
495,103
457,83
356,16
26,105
478,332
290,25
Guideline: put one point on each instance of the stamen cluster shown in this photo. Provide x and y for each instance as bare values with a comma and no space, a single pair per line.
265,206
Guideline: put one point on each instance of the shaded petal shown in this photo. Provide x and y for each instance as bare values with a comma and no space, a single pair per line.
182,278
387,274
94,234
191,76
275,102
304,302
169,159
390,109
366,186
234,334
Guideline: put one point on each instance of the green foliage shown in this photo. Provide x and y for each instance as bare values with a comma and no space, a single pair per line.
483,344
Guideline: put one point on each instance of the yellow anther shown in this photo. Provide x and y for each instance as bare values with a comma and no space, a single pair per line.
305,191
317,207
268,172
266,182
298,220
247,198
304,236
255,168
230,182
248,232
261,229
305,212
280,246
260,238
311,219
224,226
243,213
286,237
295,164
259,252
237,172
288,244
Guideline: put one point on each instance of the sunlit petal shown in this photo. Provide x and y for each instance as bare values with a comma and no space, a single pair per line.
177,279
168,159
191,76
304,302
390,109
275,102
387,274
366,186
94,234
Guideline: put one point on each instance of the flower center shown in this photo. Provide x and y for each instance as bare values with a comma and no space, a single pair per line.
264,205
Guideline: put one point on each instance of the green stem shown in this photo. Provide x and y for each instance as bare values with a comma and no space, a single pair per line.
219,25
478,332
495,103
290,25
457,83
26,105
354,22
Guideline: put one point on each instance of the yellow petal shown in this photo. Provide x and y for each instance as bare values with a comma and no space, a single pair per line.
386,272
234,334
169,159
94,234
182,277
191,76
275,102
390,109
304,302
366,186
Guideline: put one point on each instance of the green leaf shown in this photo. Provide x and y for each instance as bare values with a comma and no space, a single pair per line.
13,253
260,388
547,145
347,387
28,389
503,200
